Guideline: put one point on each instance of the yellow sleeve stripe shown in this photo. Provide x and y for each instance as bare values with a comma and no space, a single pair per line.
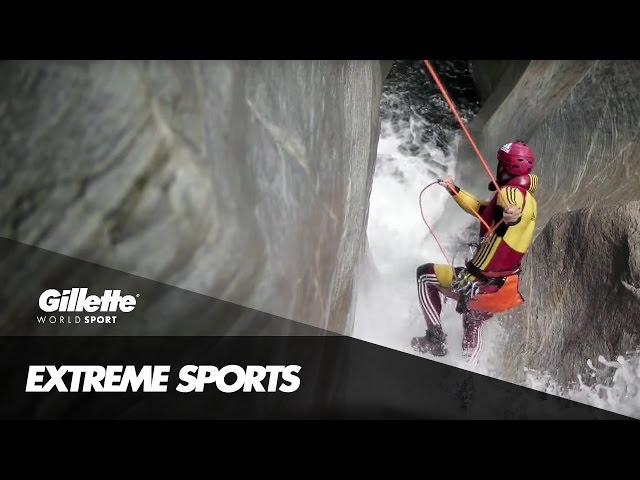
513,197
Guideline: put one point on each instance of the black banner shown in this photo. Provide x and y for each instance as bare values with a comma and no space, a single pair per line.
339,378
289,370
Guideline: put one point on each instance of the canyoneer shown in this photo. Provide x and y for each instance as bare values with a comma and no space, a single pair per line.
488,283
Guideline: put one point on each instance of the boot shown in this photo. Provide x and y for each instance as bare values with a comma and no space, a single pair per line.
471,322
434,342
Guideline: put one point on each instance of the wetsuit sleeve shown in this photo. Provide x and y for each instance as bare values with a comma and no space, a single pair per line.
468,202
511,196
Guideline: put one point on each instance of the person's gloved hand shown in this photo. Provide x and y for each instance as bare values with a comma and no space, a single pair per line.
511,215
448,184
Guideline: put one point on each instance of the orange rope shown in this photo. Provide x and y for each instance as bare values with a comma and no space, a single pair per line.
463,126
435,237
482,220
462,123
444,254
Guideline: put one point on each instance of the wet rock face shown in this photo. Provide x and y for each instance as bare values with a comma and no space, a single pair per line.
581,283
247,181
581,118
580,276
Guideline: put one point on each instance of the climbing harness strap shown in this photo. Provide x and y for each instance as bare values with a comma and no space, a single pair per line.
473,295
506,298
475,271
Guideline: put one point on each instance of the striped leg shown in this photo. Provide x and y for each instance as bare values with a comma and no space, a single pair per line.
434,340
429,295
472,323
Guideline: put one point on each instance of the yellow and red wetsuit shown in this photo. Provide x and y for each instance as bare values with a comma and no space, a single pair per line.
504,249
500,255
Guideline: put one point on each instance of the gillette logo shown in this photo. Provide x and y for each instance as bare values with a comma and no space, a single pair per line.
76,300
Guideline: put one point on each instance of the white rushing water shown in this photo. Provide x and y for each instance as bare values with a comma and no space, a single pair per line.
388,312
620,393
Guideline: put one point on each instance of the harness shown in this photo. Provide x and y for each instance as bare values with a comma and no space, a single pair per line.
470,281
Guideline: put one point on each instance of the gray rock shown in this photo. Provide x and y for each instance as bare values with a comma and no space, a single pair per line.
580,278
246,181
580,283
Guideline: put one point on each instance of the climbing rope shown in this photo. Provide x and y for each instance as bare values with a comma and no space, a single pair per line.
444,254
461,122
463,126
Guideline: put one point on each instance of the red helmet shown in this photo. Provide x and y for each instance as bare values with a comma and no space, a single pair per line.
516,158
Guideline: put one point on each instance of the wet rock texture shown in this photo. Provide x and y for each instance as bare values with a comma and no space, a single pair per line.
581,283
246,181
581,277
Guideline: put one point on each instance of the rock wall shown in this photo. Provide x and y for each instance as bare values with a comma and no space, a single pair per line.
246,181
581,285
581,276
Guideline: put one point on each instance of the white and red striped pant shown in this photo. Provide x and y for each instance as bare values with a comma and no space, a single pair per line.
430,290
